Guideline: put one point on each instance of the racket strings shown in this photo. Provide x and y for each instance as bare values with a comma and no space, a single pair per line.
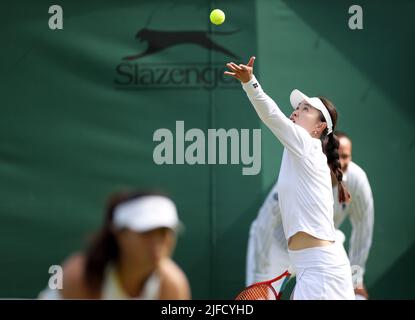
257,292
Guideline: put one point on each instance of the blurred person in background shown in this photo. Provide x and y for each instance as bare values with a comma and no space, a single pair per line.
130,257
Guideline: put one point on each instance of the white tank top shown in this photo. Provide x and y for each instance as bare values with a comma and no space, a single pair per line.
304,182
112,289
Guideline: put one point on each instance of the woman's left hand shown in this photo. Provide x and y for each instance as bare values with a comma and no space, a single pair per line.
241,72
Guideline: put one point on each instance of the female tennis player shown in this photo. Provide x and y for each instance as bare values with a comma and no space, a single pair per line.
130,256
304,187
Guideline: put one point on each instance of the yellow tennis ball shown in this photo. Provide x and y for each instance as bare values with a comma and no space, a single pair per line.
217,16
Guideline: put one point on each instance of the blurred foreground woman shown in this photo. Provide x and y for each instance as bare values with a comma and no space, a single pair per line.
130,257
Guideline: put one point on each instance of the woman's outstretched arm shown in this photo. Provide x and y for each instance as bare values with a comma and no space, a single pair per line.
292,136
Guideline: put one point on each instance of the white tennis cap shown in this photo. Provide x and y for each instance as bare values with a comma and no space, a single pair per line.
146,213
297,97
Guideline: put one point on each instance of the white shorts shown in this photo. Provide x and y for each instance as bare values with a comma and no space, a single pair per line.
323,273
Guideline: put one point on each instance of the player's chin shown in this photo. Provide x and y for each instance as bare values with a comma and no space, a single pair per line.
156,258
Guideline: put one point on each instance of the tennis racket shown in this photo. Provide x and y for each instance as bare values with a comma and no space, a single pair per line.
264,290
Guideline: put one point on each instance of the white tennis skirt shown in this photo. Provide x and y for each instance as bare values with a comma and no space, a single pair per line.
323,273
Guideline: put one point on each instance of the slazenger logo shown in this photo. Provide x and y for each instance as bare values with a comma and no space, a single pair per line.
132,74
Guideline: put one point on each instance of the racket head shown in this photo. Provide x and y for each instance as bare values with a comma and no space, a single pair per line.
259,291
264,290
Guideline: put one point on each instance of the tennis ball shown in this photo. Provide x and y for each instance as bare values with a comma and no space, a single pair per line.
217,16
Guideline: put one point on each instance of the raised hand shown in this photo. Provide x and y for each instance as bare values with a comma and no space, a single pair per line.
241,72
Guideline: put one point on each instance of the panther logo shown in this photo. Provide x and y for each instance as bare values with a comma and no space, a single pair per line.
161,40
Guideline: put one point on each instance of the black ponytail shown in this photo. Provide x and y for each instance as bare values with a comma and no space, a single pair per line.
331,150
102,250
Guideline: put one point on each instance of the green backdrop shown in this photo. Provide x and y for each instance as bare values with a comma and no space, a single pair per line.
70,133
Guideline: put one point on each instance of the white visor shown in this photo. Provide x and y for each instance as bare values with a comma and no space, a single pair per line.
147,213
297,97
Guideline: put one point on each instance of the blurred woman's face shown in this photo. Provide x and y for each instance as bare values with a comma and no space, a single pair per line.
146,248
306,116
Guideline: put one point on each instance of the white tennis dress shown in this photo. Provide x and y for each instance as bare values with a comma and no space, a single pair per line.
306,203
112,289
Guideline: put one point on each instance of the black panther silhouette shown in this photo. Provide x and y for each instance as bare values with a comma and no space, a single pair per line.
161,40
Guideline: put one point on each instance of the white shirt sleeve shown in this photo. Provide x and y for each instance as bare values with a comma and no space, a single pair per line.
362,220
292,136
